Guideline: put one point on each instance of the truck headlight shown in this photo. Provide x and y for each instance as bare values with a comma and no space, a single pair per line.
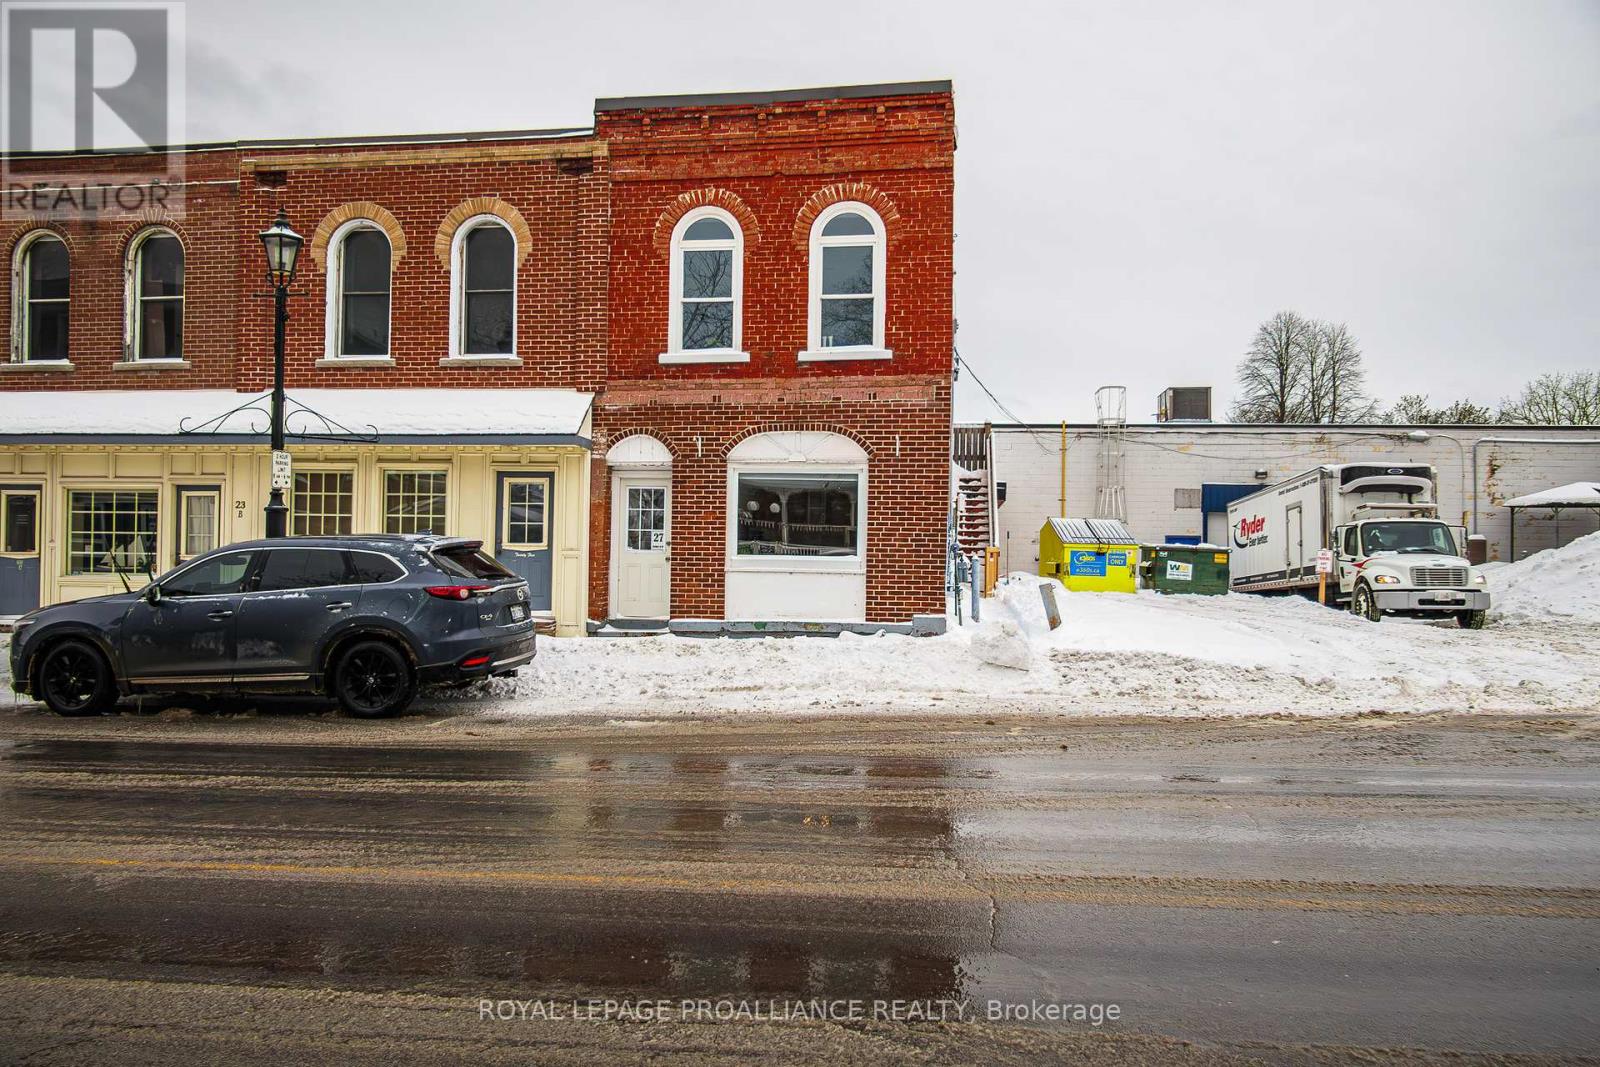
1480,579
1385,579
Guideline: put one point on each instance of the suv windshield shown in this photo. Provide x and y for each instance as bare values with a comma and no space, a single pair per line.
1407,537
469,561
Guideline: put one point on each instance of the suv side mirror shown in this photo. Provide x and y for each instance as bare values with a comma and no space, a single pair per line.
152,593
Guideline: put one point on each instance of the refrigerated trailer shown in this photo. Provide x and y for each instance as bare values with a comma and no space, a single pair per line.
1392,555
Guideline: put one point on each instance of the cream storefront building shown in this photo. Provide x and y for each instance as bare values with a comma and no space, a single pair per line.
101,487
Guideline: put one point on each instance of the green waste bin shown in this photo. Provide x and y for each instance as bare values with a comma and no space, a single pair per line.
1200,569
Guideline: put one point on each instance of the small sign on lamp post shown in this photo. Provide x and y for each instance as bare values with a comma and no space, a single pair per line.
280,469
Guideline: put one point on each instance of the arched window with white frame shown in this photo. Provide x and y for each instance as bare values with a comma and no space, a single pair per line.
155,288
359,285
845,320
41,282
483,273
707,289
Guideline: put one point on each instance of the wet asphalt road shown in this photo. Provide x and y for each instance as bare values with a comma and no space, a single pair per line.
1246,900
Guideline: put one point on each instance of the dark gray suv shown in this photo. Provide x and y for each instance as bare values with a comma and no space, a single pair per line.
365,619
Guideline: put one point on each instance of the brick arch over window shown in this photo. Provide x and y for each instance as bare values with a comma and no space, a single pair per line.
377,214
794,427
708,197
840,192
148,220
471,209
34,225
634,431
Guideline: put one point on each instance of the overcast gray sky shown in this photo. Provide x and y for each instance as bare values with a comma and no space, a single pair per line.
1137,185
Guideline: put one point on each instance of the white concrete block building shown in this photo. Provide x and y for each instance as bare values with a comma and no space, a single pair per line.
1177,478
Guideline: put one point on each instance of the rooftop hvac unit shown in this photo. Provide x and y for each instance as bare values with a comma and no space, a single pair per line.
1188,403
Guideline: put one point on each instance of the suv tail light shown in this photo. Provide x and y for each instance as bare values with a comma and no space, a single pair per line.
455,592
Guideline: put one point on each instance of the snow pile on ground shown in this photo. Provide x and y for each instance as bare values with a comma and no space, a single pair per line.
1114,654
1559,583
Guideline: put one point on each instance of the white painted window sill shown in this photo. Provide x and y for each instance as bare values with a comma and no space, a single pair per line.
706,355
832,355
481,361
40,365
151,364
355,361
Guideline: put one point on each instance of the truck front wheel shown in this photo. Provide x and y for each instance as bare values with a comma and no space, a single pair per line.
1365,604
1472,620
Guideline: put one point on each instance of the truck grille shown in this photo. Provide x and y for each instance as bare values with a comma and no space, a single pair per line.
1438,577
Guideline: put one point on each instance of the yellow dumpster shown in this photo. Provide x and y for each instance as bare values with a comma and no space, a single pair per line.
1091,555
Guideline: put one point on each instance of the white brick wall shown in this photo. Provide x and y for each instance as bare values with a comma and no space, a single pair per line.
1160,459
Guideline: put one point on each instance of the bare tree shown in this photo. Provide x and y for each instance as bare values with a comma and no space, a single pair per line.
1556,400
1413,409
1343,378
1271,375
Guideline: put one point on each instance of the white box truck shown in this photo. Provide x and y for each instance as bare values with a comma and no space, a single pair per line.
1391,554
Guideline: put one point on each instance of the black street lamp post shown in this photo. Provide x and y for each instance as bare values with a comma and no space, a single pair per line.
283,251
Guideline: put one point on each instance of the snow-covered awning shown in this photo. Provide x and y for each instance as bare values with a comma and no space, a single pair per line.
1571,495
382,416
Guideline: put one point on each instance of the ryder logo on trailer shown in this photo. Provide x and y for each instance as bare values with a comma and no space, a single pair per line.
1251,531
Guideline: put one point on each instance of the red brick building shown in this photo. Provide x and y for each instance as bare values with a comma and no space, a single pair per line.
748,296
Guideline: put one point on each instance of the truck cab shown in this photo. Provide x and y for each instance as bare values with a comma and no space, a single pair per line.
1401,560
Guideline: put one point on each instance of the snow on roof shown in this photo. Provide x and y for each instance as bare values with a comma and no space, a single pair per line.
390,413
1571,495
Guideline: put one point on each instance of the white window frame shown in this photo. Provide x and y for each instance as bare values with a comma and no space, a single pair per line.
544,507
856,564
333,336
814,351
68,530
185,494
20,302
133,298
414,470
675,352
458,290
349,471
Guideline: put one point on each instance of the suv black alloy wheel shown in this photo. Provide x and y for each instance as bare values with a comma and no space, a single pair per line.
75,679
373,679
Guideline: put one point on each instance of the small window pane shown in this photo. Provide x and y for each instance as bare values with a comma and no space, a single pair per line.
847,270
110,530
47,331
161,267
161,329
369,568
322,503
647,519
366,262
848,224
797,514
846,322
488,323
21,533
490,258
525,508
708,274
366,325
708,229
199,523
414,502
217,576
47,269
708,325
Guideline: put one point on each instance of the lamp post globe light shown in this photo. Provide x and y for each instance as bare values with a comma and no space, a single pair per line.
283,253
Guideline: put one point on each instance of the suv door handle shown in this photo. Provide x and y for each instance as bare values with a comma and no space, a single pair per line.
223,614
339,605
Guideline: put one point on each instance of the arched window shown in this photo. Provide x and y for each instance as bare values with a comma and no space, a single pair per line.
707,279
41,282
484,275
155,296
847,270
358,290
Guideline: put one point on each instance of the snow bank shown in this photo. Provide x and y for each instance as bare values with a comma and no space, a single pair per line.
1114,654
1558,583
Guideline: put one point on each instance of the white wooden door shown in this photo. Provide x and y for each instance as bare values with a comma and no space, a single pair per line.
642,507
